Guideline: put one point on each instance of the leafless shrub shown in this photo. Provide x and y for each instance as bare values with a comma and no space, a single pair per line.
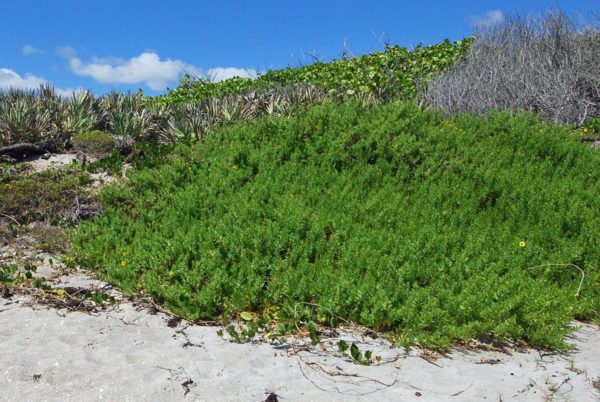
548,64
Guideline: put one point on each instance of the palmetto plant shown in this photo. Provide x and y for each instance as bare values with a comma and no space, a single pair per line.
22,117
237,109
303,95
33,116
187,122
40,115
128,118
191,121
275,104
83,113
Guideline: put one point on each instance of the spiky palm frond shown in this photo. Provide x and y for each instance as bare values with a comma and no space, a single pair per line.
83,113
22,117
186,123
127,117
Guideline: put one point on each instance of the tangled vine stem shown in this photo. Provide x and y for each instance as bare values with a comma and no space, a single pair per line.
565,265
545,64
318,306
11,218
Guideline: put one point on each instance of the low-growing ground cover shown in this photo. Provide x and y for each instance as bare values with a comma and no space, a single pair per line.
395,218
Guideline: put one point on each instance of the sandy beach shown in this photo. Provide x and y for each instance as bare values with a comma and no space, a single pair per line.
129,352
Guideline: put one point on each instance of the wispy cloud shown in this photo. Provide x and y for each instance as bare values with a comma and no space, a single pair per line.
28,50
217,74
488,19
66,51
10,79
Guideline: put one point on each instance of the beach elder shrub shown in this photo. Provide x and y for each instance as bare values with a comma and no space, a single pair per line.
395,218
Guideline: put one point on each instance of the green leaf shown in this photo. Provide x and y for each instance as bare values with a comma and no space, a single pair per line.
246,316
355,352
343,346
312,332
233,333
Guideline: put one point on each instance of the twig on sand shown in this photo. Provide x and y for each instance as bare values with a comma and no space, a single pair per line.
334,373
4,310
464,390
429,357
178,375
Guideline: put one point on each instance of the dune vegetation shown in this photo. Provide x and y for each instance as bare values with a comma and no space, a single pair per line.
391,217
437,194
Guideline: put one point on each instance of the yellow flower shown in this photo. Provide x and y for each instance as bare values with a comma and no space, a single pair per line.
124,253
122,263
522,243
585,129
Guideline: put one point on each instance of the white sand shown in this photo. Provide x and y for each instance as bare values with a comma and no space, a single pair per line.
54,161
128,354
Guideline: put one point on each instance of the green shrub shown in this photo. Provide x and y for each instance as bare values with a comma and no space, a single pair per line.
48,238
93,142
393,73
392,217
51,195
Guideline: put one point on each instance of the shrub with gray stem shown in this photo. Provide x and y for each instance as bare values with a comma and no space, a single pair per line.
548,64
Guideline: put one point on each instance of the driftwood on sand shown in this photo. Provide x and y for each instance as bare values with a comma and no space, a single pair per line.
24,150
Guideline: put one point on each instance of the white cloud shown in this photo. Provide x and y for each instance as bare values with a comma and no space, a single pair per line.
68,92
488,19
11,79
28,50
147,68
217,74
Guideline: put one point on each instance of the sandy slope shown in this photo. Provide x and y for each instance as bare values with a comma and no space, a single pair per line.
126,353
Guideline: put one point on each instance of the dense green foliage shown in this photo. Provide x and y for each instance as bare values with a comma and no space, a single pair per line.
392,73
391,216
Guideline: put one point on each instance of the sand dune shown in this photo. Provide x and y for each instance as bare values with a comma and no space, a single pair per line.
126,353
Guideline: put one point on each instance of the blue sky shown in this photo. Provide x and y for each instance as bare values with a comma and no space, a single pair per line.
129,44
